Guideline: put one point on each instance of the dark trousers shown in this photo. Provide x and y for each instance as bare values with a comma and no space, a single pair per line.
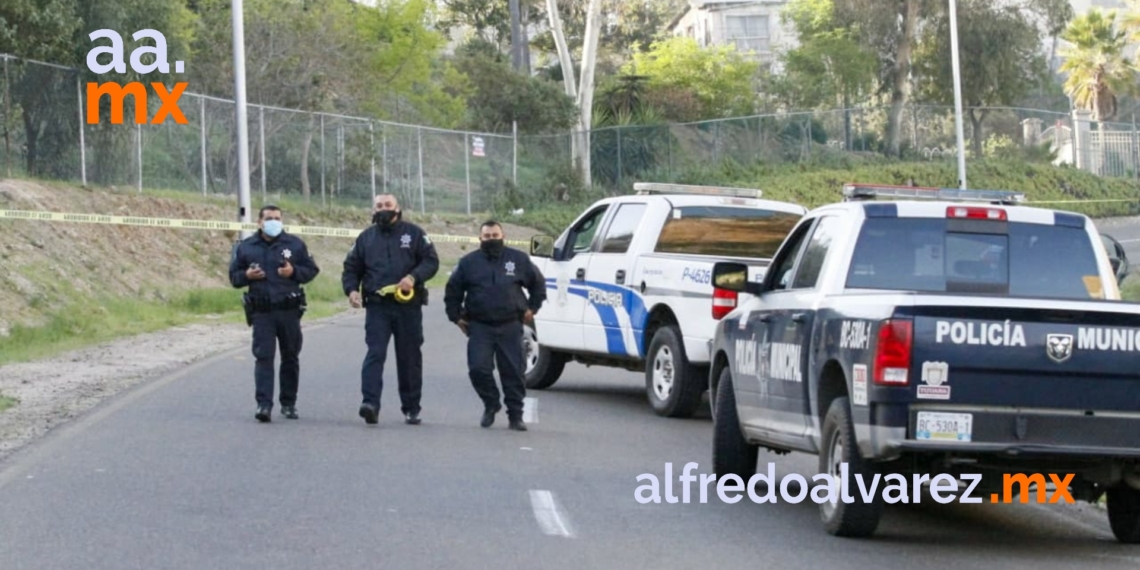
383,321
270,329
503,344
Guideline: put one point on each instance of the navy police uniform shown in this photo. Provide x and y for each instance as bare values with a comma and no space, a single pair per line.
487,291
274,306
383,255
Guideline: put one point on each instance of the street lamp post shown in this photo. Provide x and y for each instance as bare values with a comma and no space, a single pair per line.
957,94
242,126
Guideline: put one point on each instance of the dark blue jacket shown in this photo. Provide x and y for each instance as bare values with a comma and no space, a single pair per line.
490,289
383,256
270,255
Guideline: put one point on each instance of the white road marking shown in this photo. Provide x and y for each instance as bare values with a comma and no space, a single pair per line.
1128,240
530,410
550,517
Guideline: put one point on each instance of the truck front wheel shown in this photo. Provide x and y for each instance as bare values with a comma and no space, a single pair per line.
1123,505
673,385
543,366
857,518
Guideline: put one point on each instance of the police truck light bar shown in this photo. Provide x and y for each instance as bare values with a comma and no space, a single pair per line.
645,188
853,192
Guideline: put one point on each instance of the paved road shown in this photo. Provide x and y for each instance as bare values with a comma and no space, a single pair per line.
178,475
1127,232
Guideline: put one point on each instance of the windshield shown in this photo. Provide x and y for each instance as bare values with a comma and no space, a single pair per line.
921,254
724,231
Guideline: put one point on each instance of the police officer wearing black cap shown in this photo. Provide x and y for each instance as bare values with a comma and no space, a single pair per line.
485,298
386,271
274,265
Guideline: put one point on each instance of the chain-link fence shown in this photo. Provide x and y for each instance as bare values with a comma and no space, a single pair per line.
345,159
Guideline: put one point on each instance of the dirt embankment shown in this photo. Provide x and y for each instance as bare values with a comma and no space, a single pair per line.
46,267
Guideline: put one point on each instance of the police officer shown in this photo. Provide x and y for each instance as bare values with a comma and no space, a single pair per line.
274,265
391,252
484,297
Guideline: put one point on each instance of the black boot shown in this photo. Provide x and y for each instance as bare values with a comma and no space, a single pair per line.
289,412
489,416
263,413
517,424
369,413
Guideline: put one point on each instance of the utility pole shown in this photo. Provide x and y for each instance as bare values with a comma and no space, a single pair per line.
242,123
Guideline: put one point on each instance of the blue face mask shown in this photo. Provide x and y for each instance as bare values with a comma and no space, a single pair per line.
272,228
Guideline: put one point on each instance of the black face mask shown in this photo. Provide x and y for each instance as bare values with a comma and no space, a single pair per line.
385,217
492,246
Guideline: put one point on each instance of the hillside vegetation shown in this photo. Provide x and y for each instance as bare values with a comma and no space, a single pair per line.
814,186
65,285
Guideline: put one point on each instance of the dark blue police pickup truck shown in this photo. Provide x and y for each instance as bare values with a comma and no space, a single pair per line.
939,332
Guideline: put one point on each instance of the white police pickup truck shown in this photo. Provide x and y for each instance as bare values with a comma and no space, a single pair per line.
629,284
940,336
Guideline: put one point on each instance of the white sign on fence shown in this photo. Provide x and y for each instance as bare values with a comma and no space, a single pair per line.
477,146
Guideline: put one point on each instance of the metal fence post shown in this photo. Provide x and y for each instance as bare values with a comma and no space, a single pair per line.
372,158
323,199
261,126
202,137
8,118
82,127
515,152
420,151
384,156
618,131
467,168
1135,159
138,151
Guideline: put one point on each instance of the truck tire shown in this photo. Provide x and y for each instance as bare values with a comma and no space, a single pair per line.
1123,505
855,519
543,366
673,385
732,454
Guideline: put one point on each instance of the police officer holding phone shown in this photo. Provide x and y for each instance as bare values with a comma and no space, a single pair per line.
274,265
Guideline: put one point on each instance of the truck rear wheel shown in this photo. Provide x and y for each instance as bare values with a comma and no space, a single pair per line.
1123,505
732,454
855,519
543,366
673,385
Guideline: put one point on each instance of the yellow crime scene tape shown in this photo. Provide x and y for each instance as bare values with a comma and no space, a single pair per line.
172,223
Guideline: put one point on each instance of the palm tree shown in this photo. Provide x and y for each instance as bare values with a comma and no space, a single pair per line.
1097,67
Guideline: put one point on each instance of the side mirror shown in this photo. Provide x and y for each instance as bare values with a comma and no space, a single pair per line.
1115,261
733,277
542,246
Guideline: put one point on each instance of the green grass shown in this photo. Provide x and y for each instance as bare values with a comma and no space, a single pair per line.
1130,289
6,402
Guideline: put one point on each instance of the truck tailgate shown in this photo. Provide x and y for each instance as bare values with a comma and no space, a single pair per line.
1008,352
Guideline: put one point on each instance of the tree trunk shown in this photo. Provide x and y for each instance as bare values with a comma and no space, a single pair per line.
306,189
586,88
976,119
525,44
516,36
902,76
567,65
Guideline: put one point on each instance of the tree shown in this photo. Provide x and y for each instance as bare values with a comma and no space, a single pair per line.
1000,57
720,77
584,91
888,29
1096,67
829,66
499,95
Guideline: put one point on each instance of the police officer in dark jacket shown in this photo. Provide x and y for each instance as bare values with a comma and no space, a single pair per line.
485,298
274,265
390,260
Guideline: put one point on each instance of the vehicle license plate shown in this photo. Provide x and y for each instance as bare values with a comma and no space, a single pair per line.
943,426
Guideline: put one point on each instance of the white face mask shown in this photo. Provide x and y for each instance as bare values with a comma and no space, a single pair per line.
272,228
